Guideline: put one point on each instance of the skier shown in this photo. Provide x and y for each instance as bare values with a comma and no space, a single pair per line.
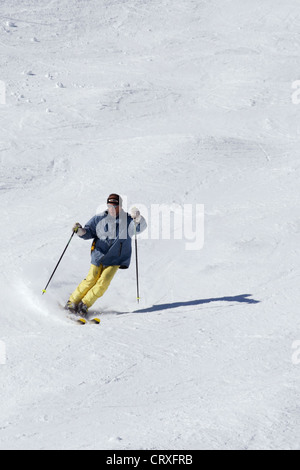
112,231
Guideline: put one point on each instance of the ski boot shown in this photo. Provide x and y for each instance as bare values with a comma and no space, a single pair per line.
71,307
82,309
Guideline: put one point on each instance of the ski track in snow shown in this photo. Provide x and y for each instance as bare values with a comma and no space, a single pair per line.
164,102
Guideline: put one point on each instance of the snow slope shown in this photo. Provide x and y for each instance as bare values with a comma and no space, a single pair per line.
165,102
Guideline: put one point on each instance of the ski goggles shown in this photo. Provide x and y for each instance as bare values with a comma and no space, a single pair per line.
114,199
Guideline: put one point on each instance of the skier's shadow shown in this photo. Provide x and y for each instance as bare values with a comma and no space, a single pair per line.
243,298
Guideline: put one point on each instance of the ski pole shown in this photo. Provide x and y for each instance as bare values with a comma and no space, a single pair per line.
44,290
136,266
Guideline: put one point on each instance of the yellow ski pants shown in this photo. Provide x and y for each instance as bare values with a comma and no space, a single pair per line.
94,285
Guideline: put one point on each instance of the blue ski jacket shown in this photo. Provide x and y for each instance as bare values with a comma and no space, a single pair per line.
112,238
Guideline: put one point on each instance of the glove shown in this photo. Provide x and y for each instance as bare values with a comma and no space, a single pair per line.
136,215
78,229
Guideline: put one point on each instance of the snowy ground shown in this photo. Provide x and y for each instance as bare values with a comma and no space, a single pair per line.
165,102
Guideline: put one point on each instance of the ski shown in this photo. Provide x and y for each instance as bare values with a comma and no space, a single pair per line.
94,320
80,320
84,321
